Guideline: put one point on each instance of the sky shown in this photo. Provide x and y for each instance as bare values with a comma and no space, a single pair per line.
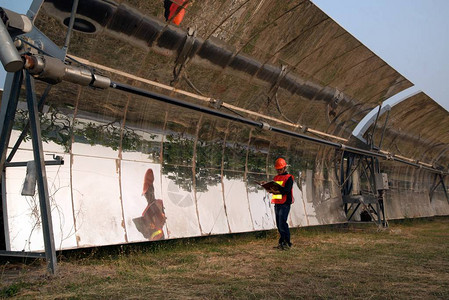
412,36
19,6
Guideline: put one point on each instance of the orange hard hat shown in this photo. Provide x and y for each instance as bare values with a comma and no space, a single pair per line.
280,163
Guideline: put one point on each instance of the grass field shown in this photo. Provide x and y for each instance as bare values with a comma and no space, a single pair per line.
410,260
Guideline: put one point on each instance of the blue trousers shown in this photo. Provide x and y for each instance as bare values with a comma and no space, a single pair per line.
282,211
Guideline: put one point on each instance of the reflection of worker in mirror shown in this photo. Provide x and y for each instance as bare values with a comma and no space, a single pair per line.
283,199
175,10
153,217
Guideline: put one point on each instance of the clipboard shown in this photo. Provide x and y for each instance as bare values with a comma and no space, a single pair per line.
271,186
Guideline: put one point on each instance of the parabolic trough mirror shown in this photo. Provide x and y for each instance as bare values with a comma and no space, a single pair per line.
136,169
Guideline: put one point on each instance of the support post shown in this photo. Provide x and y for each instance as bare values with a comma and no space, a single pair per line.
444,188
382,208
44,202
4,209
8,111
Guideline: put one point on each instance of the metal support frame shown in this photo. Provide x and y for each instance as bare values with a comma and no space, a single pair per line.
184,55
370,198
26,128
439,179
7,114
8,109
44,202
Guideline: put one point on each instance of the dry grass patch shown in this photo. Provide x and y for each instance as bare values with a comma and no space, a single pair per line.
407,261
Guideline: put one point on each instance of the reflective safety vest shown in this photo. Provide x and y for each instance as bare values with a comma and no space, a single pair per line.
281,180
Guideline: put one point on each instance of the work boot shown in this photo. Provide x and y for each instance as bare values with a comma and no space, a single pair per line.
286,246
279,247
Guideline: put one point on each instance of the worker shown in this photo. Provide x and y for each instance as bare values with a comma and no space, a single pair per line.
282,200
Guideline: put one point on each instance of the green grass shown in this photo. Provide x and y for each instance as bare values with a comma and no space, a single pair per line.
407,261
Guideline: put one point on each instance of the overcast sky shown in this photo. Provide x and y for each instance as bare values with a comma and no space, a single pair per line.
412,36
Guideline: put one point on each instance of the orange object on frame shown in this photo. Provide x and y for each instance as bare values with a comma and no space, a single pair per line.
177,12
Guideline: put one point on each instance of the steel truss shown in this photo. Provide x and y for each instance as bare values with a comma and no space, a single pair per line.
361,192
33,125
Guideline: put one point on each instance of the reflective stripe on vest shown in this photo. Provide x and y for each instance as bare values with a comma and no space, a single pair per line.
156,235
281,180
277,196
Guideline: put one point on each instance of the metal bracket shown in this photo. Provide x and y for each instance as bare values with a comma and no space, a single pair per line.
266,126
22,254
216,103
272,93
183,56
58,162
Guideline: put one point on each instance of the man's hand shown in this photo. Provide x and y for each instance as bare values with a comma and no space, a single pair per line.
273,191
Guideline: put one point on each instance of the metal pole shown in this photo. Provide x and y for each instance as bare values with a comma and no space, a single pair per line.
10,58
377,211
170,100
343,180
354,211
27,126
70,28
383,130
8,111
382,208
47,227
5,211
434,186
444,188
34,8
374,127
